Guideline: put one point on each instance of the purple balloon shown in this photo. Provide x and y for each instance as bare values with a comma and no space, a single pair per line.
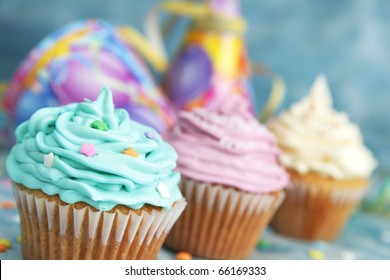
190,75
84,73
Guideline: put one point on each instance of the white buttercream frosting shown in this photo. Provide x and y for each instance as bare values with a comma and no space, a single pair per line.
316,138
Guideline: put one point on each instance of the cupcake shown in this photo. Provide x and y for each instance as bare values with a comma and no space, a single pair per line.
231,179
92,184
328,164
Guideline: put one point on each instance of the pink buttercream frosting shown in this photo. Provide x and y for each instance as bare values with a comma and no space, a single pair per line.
227,146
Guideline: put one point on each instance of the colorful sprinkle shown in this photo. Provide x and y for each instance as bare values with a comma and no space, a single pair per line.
163,190
3,248
15,219
385,237
263,245
19,239
7,204
88,150
48,160
316,254
320,245
183,256
99,125
348,255
151,135
5,242
131,152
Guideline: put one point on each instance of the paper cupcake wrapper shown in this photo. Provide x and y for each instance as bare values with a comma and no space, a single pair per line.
221,222
316,212
52,229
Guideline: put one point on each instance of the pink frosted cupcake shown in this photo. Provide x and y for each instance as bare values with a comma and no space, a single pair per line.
231,178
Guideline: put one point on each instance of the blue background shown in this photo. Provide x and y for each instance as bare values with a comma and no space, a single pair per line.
349,41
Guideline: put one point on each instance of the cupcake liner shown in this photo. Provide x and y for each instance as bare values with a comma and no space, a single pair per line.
317,209
52,229
221,222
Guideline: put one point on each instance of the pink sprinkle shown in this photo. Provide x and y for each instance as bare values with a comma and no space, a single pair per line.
88,150
150,135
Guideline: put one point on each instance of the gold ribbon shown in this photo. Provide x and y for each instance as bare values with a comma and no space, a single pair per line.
277,93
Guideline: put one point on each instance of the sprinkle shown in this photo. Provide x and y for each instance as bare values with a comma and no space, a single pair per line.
99,125
320,245
131,152
348,255
19,239
163,190
48,160
183,256
3,248
316,254
88,150
5,242
16,219
263,245
7,204
151,135
385,237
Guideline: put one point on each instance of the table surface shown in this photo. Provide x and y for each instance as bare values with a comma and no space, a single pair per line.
366,237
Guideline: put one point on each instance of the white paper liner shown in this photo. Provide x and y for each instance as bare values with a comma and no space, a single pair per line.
221,222
314,212
342,195
70,233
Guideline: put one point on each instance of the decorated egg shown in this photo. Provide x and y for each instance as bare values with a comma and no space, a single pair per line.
74,63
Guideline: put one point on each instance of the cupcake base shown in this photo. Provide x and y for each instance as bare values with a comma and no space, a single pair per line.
317,208
221,222
52,229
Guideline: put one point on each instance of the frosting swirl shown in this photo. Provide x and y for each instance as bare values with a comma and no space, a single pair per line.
87,143
225,148
315,138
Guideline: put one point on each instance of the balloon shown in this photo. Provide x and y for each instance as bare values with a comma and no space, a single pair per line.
75,63
190,75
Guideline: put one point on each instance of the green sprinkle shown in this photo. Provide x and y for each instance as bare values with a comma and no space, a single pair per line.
99,125
263,245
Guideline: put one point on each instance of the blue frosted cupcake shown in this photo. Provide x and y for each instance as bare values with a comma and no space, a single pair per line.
90,183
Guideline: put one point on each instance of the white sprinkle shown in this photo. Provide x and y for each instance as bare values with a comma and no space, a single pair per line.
16,219
48,160
385,237
348,255
163,190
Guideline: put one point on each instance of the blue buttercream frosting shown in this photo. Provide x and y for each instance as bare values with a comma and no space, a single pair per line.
105,179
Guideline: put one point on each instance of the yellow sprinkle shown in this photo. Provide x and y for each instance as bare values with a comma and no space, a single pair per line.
131,152
19,239
5,242
316,254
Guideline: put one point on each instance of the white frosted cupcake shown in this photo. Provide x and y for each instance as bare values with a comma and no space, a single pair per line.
328,164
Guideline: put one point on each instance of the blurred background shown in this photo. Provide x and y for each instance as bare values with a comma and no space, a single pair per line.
346,40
